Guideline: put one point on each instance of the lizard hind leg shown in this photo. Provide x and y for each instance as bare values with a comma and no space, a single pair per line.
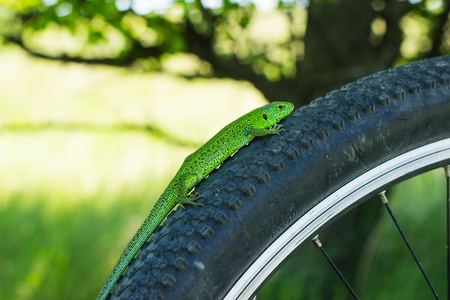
187,182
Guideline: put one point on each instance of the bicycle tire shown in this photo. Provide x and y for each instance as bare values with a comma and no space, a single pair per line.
267,200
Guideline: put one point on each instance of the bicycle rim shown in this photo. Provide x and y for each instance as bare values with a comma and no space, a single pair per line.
361,188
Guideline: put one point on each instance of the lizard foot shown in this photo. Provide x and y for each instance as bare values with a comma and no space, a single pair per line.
276,129
190,200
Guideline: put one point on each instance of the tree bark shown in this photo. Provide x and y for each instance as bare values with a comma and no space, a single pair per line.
337,44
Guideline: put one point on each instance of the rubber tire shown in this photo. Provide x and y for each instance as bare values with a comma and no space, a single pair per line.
198,253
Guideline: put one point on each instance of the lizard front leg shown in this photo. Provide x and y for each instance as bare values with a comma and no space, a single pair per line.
275,129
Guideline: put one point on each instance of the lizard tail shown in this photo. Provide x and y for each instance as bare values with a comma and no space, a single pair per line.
162,207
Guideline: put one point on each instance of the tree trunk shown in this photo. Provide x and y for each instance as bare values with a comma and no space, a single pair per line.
338,49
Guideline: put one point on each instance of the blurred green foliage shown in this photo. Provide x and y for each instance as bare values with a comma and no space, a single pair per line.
103,31
234,39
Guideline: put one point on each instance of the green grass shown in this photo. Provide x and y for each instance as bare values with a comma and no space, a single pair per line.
419,205
75,182
56,253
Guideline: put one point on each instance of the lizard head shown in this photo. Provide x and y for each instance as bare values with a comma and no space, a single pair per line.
272,113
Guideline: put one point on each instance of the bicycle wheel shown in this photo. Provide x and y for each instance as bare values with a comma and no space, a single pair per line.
276,193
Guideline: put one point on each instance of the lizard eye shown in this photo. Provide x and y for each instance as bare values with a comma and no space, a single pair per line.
280,106
265,116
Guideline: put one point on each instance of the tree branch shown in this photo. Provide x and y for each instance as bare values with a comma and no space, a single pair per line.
202,45
137,51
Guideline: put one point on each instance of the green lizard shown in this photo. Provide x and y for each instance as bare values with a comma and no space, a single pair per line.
259,122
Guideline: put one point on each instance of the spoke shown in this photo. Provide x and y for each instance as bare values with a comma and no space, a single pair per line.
384,200
447,175
318,244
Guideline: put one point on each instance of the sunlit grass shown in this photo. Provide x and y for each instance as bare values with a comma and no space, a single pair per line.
72,196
